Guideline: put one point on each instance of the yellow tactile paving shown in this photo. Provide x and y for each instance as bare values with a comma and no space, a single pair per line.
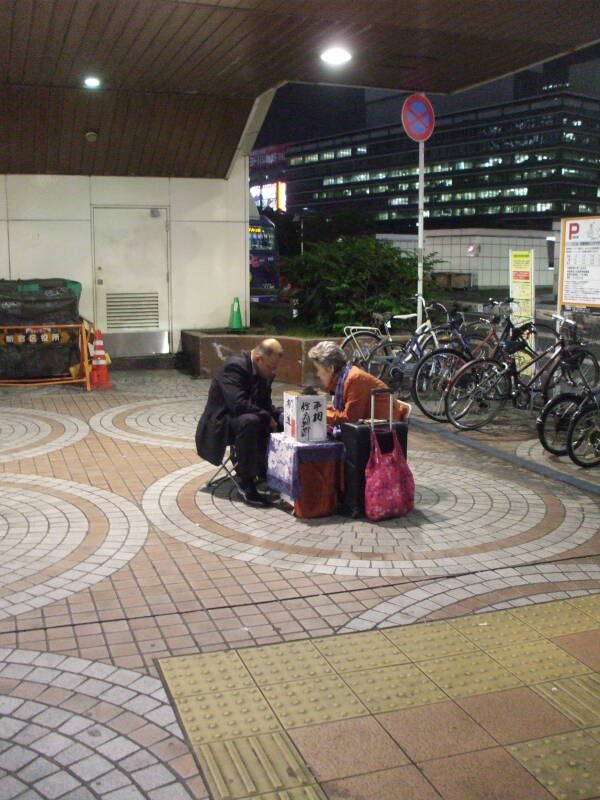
594,733
393,688
470,674
538,661
577,698
285,662
238,708
496,629
432,640
568,765
560,619
226,715
324,699
359,651
197,674
589,604
313,792
251,766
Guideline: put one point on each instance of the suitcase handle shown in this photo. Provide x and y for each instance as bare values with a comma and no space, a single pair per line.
381,391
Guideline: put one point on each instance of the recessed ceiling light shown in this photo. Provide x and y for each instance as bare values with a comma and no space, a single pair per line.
336,56
91,82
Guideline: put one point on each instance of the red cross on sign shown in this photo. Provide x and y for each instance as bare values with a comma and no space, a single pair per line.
418,117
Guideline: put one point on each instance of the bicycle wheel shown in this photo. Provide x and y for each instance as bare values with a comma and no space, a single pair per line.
389,362
476,394
432,375
383,357
553,422
583,437
358,347
577,369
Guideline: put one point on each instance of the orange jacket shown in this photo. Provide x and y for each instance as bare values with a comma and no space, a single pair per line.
357,399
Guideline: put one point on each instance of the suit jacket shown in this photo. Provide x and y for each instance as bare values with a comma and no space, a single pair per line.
235,390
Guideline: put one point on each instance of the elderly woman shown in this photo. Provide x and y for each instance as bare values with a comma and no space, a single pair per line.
351,387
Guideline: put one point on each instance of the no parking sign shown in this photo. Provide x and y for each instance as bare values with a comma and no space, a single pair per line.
418,117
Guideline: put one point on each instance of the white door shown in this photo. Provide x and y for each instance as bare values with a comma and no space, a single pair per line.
131,276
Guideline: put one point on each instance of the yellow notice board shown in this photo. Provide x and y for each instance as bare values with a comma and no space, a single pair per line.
579,283
522,284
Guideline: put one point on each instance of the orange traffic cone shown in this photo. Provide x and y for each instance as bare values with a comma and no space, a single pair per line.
99,378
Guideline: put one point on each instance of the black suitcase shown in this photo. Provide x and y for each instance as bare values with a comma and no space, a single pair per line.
357,439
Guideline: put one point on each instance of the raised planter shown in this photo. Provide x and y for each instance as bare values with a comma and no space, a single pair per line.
206,352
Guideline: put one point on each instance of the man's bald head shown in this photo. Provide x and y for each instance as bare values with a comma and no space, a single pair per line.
266,357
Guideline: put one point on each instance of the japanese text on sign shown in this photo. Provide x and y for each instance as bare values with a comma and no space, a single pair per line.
580,262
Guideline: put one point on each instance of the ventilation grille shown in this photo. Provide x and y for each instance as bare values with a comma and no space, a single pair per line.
127,310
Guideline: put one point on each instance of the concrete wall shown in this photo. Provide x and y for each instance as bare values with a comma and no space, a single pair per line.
46,231
489,266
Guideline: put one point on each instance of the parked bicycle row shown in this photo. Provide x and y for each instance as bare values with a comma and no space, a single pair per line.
467,373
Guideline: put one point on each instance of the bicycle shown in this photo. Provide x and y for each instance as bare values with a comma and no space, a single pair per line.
435,370
583,436
481,388
393,360
553,422
360,340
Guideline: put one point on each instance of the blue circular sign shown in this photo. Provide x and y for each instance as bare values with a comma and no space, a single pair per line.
418,117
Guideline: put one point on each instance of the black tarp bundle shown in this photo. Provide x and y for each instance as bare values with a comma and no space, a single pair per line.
40,350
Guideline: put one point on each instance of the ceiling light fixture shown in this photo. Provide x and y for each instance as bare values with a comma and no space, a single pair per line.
335,56
91,82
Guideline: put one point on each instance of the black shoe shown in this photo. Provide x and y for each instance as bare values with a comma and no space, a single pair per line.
250,495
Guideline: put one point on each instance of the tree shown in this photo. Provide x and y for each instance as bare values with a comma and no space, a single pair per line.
343,282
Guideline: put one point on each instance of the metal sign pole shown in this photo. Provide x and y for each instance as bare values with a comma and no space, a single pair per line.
420,241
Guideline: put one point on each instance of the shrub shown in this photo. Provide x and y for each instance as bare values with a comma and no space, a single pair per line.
345,282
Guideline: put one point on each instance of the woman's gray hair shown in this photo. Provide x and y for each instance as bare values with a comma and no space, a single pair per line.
328,354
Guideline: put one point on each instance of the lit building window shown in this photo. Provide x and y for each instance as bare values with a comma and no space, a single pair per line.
360,150
327,155
398,201
296,160
344,152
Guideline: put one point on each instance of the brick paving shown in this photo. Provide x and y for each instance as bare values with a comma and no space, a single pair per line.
113,556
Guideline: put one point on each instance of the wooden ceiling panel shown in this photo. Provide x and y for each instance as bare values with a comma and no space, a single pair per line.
180,76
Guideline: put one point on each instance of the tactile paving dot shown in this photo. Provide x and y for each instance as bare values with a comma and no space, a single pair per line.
393,688
538,661
301,793
359,651
568,765
589,604
469,674
494,629
555,619
226,715
251,766
323,699
431,640
576,698
202,673
285,662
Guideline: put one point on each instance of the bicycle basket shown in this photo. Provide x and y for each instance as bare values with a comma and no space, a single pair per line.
570,333
573,357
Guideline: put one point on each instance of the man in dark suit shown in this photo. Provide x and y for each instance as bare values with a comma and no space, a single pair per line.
239,411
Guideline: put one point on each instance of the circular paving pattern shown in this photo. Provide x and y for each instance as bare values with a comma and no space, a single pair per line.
463,521
532,450
417,604
164,423
25,433
49,752
43,525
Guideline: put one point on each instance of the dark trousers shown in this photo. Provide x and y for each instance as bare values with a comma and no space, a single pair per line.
249,434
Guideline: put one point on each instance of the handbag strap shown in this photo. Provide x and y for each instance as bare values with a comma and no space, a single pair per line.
375,448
